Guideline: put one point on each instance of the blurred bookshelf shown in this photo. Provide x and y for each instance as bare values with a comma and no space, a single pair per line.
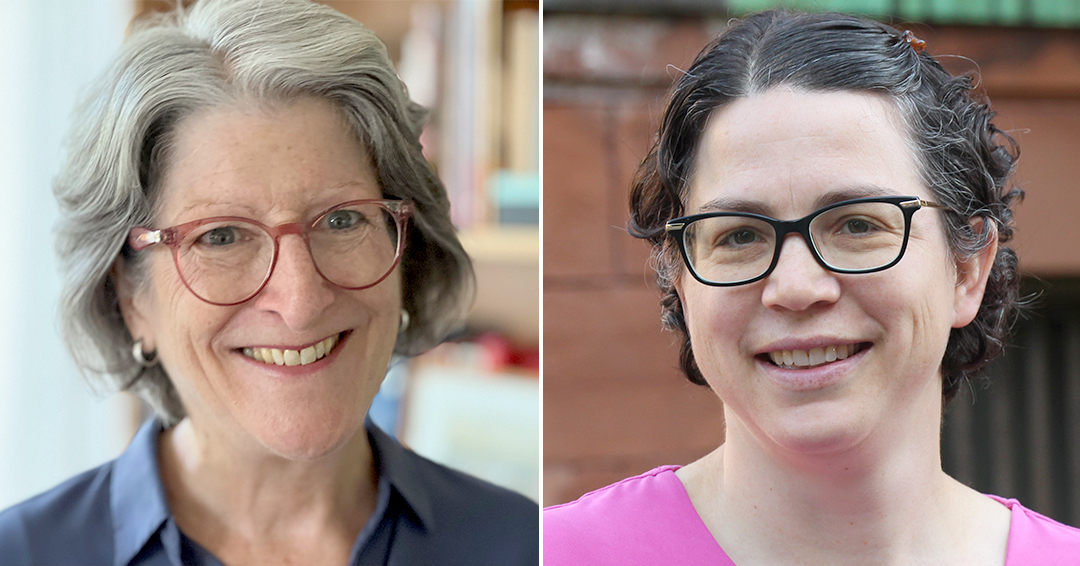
473,402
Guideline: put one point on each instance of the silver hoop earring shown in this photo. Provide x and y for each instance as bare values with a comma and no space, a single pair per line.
404,325
141,358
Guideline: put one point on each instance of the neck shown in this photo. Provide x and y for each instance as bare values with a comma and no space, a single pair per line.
862,497
229,495
882,500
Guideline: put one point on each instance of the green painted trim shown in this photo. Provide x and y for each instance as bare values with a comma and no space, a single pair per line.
1045,13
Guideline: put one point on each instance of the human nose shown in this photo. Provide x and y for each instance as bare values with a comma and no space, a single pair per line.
799,282
296,290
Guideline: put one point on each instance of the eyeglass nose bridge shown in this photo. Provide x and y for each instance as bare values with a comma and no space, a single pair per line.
276,232
801,227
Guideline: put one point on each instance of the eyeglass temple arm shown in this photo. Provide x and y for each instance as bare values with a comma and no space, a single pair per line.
405,208
921,202
141,238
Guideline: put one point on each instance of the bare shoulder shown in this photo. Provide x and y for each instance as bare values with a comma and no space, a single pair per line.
989,526
700,478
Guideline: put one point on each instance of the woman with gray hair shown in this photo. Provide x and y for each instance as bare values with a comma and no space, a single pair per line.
829,210
250,232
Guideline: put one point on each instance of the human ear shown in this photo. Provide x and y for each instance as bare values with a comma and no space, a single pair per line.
972,275
132,308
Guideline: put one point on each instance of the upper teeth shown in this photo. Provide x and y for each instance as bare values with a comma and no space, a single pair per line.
293,357
813,356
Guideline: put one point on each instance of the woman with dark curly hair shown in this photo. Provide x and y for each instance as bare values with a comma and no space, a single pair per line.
828,209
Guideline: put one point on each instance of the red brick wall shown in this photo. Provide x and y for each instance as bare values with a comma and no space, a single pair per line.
614,402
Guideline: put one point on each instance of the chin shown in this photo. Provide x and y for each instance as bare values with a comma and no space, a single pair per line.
819,443
310,435
819,430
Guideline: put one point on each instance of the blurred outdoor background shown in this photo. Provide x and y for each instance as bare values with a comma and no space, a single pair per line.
616,405
472,403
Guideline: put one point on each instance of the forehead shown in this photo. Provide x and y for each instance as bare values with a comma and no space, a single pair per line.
785,150
293,158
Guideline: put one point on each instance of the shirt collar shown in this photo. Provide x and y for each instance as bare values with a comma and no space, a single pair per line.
402,468
136,494
139,507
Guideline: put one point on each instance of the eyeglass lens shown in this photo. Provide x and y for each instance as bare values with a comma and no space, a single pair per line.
227,262
856,237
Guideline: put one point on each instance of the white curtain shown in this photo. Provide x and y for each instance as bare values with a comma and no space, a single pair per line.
51,425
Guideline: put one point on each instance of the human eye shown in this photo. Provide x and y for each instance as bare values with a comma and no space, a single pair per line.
738,237
344,219
221,236
729,234
860,220
857,226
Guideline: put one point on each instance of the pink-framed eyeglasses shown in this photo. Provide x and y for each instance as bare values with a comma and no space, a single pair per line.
227,260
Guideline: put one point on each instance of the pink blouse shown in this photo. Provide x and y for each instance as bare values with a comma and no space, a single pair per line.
649,520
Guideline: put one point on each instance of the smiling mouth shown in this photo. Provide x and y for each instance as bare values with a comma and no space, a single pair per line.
309,355
814,357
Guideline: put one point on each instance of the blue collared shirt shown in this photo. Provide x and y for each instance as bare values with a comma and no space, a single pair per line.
118,514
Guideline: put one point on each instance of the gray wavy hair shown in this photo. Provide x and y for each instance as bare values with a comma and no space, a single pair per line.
214,52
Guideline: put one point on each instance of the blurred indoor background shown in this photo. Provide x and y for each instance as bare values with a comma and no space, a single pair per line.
472,403
616,405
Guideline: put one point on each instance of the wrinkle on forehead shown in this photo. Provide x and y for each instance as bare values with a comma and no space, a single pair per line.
261,161
218,205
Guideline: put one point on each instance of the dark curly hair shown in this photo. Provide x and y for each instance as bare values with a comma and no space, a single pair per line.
964,159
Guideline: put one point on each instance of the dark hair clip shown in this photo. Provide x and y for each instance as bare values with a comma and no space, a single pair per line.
917,44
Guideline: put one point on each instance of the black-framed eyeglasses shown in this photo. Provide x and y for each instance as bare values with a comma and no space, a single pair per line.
226,260
862,235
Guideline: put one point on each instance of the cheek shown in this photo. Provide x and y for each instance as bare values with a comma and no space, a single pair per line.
159,297
184,325
935,319
378,312
914,307
718,319
388,295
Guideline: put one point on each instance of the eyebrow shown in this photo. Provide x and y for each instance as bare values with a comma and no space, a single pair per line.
732,204
251,212
206,205
211,204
